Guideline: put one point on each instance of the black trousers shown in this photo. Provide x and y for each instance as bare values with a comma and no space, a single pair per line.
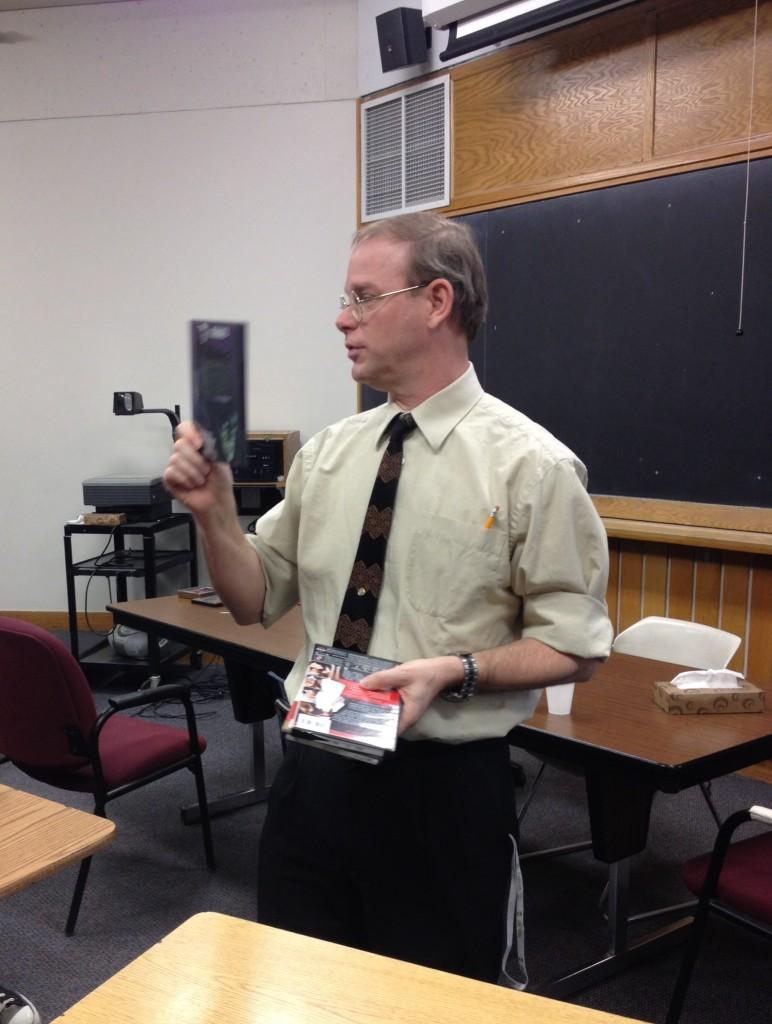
411,858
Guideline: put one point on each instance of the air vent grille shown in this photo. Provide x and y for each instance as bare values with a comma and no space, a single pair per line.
405,152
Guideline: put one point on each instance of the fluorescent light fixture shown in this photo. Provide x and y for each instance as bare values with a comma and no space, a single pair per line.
524,18
504,13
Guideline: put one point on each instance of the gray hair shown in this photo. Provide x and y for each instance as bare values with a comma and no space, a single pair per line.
440,247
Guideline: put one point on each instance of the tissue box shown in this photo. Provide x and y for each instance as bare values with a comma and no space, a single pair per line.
708,702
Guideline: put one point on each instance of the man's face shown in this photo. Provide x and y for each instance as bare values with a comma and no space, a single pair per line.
386,348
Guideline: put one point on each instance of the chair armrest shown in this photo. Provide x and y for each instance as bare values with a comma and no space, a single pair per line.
169,691
759,813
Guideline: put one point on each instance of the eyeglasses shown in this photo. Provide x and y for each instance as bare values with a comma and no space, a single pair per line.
358,303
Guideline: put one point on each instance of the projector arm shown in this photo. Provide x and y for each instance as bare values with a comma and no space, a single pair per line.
174,417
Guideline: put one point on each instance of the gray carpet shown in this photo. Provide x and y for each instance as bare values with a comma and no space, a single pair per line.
154,877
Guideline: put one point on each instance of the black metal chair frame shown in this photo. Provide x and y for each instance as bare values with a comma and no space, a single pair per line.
707,902
89,747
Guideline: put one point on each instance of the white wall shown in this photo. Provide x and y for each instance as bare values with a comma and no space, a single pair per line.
161,160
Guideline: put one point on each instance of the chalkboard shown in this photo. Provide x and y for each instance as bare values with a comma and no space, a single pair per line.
612,322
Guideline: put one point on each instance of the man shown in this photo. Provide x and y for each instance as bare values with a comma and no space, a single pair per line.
493,587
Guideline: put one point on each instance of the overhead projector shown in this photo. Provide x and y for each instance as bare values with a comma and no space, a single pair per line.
140,497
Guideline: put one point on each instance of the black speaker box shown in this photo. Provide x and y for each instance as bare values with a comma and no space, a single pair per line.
401,37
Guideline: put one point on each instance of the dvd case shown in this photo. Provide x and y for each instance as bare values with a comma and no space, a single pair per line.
333,711
218,361
188,593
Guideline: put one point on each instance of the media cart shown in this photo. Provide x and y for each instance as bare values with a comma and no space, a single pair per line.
121,563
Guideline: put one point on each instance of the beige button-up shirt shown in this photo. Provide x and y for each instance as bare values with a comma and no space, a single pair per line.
450,584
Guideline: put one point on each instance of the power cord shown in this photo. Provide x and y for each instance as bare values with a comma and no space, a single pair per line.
99,563
209,685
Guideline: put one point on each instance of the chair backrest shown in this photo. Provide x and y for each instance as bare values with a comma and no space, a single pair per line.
685,643
44,697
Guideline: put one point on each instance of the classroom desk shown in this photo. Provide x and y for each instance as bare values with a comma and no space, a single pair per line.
248,651
628,749
215,967
39,837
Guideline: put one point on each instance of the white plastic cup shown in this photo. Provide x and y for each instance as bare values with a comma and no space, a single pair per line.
559,698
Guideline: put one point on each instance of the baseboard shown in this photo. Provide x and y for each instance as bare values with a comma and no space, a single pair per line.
762,771
100,621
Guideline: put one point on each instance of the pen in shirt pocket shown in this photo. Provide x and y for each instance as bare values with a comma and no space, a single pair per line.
491,517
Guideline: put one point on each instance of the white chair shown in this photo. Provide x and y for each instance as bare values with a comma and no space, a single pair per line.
686,643
692,644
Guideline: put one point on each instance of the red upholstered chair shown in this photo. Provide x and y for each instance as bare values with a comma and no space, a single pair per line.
735,881
49,728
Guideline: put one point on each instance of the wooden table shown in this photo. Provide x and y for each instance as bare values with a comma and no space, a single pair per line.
219,968
628,750
249,653
39,837
214,629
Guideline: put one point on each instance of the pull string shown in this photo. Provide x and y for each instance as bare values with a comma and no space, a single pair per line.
739,330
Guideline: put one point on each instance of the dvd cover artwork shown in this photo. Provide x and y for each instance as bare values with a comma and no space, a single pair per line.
334,711
218,361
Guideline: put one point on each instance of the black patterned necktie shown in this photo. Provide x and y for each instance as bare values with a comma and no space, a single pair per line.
357,613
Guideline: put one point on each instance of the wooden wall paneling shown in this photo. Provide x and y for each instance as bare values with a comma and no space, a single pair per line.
759,639
703,74
681,585
630,583
654,89
760,624
655,579
707,586
734,602
650,86
566,105
735,518
612,591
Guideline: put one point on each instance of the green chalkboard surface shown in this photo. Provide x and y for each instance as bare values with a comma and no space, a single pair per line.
613,318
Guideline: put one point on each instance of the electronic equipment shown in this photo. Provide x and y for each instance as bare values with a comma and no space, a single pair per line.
139,497
269,456
127,403
264,463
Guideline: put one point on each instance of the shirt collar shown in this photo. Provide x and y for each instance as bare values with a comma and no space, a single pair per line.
442,412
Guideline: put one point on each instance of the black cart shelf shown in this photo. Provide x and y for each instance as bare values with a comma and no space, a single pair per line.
121,563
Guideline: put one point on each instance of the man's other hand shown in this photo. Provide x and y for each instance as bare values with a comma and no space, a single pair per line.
418,682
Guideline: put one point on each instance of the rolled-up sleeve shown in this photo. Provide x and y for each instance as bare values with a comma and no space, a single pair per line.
560,565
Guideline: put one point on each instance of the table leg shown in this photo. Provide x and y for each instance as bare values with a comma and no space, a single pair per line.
606,967
621,952
256,793
619,807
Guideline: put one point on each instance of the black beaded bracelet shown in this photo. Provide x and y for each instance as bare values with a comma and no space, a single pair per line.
467,687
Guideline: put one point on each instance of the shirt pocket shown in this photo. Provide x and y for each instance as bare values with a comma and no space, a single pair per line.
454,566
